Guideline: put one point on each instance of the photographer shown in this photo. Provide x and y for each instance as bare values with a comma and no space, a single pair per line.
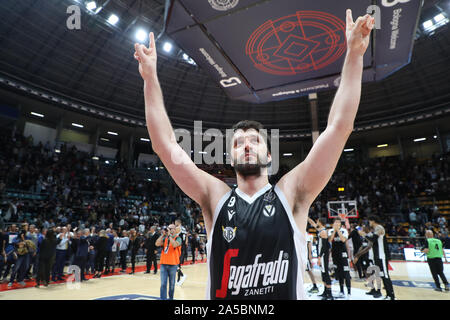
170,259
23,249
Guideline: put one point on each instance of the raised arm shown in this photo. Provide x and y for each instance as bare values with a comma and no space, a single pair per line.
202,187
312,175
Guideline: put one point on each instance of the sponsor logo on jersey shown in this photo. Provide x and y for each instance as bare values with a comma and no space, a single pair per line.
254,279
229,233
232,201
231,214
269,210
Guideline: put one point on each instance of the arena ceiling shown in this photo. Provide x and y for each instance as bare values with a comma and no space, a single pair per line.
94,68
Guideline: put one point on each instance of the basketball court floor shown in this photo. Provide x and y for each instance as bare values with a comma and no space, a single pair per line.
412,281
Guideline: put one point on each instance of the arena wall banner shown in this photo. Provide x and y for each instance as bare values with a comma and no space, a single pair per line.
268,50
412,254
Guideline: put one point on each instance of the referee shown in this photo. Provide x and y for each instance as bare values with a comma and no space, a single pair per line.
434,256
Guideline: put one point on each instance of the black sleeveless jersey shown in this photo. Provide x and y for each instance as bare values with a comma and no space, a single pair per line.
380,245
338,247
257,251
324,245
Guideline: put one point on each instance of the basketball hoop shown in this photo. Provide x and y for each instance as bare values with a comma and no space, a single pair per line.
344,210
343,217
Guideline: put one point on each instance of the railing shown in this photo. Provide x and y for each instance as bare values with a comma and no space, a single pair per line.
396,245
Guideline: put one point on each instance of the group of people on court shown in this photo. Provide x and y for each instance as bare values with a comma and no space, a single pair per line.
369,249
368,253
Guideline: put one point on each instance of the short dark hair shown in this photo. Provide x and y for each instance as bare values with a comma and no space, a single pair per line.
248,124
322,221
252,124
374,218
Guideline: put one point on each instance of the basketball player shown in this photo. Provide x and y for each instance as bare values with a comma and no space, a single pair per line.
366,257
380,254
258,230
357,242
181,232
338,236
323,256
309,264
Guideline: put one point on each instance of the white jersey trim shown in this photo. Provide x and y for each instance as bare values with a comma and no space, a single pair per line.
299,242
252,199
210,237
381,254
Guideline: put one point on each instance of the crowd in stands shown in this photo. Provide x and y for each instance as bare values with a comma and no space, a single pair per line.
87,197
389,187
77,189
30,253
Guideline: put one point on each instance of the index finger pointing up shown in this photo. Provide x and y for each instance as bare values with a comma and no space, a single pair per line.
152,41
349,17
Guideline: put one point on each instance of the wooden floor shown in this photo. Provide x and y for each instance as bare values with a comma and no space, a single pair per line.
412,281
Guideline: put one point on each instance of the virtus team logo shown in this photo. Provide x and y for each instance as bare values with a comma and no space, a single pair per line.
229,233
298,43
223,5
269,210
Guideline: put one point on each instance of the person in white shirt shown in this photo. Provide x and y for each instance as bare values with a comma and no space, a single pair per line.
63,242
123,249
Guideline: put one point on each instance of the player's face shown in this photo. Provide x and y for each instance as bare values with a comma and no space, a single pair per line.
249,150
337,224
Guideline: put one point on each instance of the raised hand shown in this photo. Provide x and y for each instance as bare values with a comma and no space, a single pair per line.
147,58
358,32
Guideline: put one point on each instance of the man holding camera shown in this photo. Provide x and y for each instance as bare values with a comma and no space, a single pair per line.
169,260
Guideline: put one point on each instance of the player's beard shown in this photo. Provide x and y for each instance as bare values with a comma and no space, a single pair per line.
251,169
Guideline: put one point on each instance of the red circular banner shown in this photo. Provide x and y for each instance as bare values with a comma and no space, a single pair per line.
298,43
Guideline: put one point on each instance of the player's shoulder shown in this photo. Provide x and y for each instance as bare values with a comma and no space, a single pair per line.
379,230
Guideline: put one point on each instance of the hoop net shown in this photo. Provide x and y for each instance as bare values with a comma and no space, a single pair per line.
343,217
